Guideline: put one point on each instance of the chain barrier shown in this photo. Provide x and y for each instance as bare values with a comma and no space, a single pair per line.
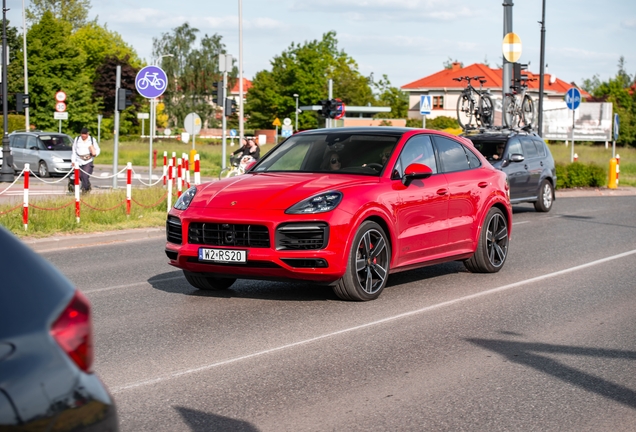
14,182
103,210
51,209
143,182
101,176
50,182
11,210
151,205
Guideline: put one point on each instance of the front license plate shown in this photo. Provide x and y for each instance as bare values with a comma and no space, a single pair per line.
223,255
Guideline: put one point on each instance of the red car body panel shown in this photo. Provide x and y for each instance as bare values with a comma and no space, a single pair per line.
429,221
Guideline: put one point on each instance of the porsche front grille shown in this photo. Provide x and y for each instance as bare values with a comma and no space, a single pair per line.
215,234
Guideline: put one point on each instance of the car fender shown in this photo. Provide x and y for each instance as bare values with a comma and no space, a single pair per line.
495,198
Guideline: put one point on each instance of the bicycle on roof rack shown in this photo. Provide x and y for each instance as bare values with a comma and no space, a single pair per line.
473,103
518,108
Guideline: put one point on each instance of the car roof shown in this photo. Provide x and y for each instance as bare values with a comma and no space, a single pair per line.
385,130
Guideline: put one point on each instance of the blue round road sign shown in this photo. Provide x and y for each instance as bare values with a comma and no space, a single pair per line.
151,82
573,98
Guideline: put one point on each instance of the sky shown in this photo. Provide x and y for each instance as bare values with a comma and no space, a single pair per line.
403,39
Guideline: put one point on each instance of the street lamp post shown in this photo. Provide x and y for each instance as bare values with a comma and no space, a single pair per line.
296,96
6,171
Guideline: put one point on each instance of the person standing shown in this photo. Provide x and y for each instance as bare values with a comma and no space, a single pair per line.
85,149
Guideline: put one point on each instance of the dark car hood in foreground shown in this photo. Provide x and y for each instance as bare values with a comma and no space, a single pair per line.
271,190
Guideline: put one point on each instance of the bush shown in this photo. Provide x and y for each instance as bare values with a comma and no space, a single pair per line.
441,123
578,174
16,122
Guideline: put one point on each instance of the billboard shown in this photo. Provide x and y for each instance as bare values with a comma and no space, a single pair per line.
592,121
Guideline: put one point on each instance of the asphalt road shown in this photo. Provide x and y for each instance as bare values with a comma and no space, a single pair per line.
546,344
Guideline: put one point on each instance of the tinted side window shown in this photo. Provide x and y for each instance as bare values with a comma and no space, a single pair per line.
31,142
473,160
540,147
514,146
451,155
528,148
18,141
418,149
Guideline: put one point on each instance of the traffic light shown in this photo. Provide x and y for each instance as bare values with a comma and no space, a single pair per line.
21,102
331,108
516,71
218,93
124,97
230,107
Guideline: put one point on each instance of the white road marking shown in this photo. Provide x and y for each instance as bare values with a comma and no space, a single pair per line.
130,285
178,374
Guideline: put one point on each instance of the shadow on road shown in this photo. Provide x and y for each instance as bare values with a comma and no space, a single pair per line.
527,354
202,421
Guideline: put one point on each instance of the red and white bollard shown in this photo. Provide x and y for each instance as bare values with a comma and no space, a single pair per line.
187,170
197,174
25,206
179,179
576,157
77,193
165,166
128,187
618,161
170,185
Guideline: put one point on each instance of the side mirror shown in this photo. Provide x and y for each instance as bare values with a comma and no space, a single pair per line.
516,157
416,171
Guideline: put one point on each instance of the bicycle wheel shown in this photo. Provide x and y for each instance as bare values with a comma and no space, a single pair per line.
464,111
159,84
527,111
510,114
229,172
143,83
486,111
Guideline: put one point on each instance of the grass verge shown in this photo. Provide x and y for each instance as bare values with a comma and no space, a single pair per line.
98,212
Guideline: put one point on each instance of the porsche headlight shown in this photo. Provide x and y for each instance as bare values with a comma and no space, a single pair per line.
320,203
185,199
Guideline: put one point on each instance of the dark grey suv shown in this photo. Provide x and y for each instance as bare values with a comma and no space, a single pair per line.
527,161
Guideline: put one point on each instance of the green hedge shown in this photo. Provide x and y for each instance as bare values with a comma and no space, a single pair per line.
577,174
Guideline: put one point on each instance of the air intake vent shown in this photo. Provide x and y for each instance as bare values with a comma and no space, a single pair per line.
215,234
173,230
302,236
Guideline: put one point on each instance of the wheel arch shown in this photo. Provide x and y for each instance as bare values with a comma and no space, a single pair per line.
380,219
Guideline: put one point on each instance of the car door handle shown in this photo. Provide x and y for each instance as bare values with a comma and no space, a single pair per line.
442,191
482,184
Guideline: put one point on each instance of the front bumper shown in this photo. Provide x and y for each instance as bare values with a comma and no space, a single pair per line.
324,265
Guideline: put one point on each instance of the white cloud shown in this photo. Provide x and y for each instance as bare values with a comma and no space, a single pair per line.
629,23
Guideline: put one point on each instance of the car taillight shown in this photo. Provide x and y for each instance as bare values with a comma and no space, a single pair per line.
73,331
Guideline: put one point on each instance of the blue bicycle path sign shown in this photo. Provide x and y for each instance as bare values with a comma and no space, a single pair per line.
573,98
151,82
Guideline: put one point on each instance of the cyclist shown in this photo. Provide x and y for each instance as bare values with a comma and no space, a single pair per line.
249,148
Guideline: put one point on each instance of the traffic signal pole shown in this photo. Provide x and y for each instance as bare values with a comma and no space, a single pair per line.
116,139
507,66
6,171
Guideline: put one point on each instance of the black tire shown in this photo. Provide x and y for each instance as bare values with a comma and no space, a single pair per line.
546,197
486,111
368,267
492,248
208,283
511,119
43,169
527,109
464,111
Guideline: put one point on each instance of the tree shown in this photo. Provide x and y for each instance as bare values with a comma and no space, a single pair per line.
74,12
448,64
617,91
98,42
193,70
305,70
55,63
392,97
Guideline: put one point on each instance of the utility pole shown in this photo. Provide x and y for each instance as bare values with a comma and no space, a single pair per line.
507,67
6,172
27,122
240,102
541,71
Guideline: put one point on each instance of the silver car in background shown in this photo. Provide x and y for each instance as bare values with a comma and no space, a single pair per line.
47,153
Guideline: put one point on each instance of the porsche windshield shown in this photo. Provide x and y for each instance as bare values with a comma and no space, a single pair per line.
352,153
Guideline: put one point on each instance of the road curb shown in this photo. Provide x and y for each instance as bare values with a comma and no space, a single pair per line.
593,192
93,239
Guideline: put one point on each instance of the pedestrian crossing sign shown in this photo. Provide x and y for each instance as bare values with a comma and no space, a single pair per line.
425,104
